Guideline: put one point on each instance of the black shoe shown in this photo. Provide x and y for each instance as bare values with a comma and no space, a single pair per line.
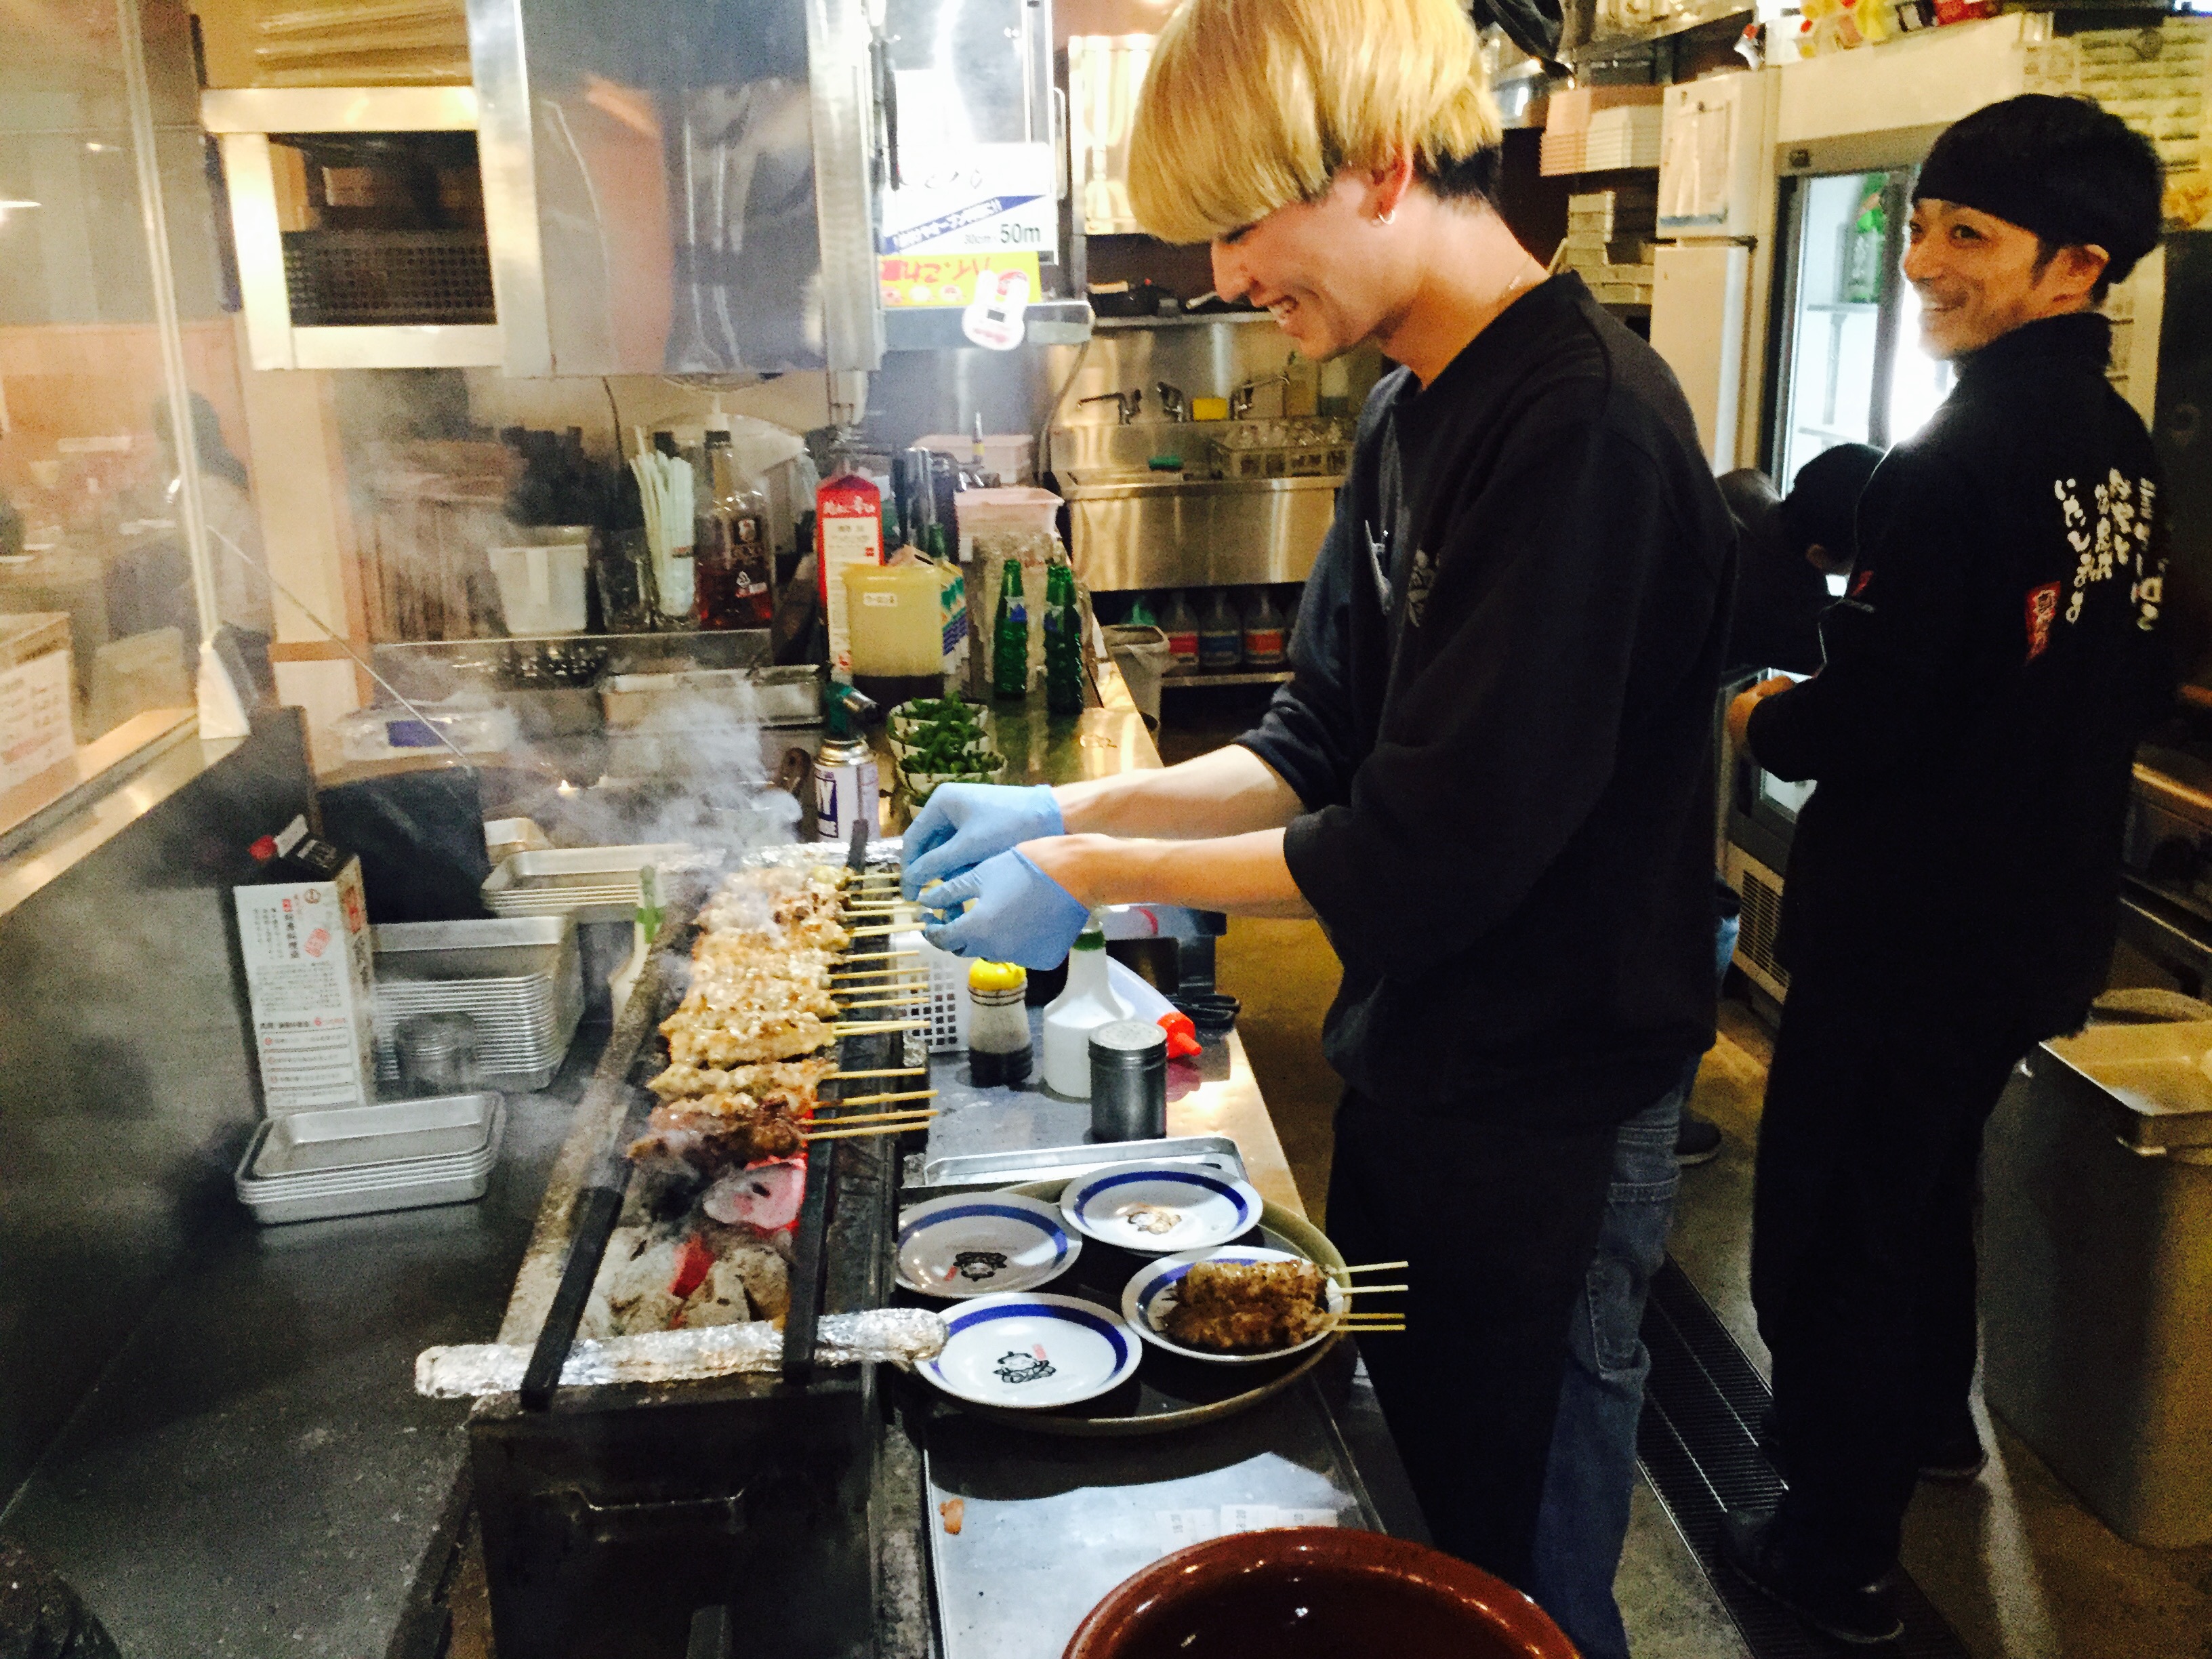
1865,1615
1954,1455
1697,1141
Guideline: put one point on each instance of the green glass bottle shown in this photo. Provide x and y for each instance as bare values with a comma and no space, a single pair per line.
1010,639
1063,642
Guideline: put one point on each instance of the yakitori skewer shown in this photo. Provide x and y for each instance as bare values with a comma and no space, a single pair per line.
869,1129
889,1070
878,933
1377,1267
894,957
1360,1290
873,1100
914,1114
869,1027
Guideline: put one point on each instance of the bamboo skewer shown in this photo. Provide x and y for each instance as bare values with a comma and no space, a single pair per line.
872,1100
893,1071
914,1114
907,1001
1378,1266
872,1129
877,932
877,990
877,973
869,1027
1356,1290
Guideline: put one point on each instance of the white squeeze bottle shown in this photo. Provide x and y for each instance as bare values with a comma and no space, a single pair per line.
1087,1002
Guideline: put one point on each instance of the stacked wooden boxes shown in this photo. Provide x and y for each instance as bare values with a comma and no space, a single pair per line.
1608,242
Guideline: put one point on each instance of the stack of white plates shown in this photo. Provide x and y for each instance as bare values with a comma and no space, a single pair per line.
521,981
399,1156
590,883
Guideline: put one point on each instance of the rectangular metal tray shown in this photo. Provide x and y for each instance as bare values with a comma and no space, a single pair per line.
788,696
590,883
499,950
364,1139
976,1171
441,1185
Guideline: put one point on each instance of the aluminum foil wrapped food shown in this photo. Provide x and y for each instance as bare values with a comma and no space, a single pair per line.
899,1335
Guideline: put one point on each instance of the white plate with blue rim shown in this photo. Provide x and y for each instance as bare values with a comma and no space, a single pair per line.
1151,1297
1159,1209
1031,1351
978,1245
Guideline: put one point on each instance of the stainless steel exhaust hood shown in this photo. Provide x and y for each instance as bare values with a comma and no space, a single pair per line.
684,188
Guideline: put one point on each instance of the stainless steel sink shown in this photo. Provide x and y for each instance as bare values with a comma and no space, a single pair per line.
1131,527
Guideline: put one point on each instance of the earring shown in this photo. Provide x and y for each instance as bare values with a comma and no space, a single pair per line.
1389,216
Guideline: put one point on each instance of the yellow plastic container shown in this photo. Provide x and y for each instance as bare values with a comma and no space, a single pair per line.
898,626
1209,409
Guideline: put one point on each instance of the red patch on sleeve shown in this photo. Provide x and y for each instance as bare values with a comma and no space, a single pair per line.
2042,611
1860,583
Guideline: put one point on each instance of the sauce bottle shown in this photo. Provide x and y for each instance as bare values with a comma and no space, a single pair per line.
998,1051
1088,1002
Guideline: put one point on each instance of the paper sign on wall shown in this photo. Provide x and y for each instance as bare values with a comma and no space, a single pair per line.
974,198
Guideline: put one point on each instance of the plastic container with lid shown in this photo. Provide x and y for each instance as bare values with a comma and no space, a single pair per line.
541,589
1263,632
1220,635
897,629
1181,626
1088,1001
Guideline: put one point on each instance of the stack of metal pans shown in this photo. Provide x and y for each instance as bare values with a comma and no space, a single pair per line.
590,883
401,1155
522,979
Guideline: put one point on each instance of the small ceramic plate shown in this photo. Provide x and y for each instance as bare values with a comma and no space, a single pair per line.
1156,1210
1148,1298
980,1244
1028,1350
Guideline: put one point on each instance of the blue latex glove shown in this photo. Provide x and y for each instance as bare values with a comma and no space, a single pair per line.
963,823
1020,913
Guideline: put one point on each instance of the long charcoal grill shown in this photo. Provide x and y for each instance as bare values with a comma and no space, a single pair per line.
619,1520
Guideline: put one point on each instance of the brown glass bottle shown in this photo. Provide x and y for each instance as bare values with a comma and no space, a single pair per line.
730,557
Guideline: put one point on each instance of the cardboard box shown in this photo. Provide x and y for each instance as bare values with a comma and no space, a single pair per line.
311,975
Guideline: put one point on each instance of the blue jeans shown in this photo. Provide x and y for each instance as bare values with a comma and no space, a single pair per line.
1591,1470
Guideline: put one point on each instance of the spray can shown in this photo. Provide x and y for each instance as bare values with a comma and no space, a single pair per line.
846,783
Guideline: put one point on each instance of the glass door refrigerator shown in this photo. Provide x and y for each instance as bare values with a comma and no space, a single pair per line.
1850,366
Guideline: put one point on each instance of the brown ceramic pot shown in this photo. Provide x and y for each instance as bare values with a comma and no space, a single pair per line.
1315,1593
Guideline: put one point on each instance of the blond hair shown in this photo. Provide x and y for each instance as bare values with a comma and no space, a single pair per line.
1251,105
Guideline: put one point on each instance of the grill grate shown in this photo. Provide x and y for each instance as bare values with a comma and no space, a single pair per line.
383,278
1699,1444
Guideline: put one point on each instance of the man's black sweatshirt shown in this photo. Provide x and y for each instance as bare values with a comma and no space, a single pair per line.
1996,653
1500,724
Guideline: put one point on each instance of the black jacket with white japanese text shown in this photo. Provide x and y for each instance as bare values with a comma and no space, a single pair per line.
1500,724
1988,672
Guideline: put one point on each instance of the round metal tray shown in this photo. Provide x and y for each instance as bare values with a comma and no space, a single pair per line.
1167,1393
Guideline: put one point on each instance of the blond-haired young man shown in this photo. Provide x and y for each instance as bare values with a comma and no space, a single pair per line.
1488,777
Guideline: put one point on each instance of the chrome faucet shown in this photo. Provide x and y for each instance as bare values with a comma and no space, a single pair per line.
1240,401
1172,403
1126,403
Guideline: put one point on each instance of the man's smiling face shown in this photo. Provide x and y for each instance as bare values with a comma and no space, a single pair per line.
1322,268
1979,277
